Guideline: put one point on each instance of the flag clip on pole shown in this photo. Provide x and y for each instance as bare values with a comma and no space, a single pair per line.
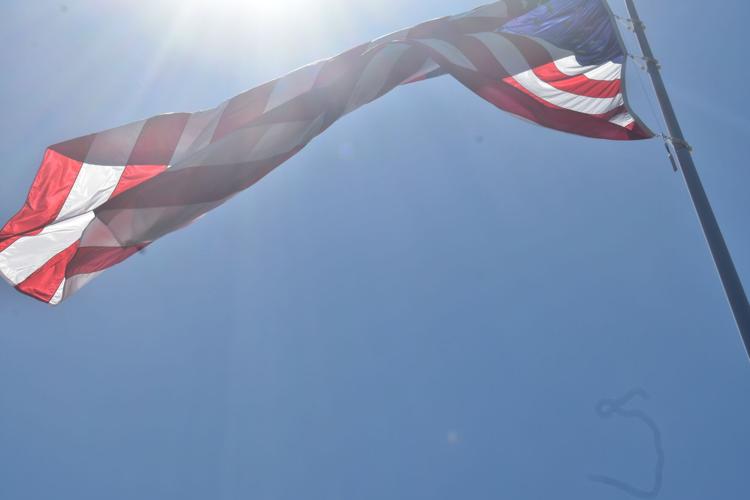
682,158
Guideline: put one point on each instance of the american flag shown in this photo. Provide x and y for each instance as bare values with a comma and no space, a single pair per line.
98,199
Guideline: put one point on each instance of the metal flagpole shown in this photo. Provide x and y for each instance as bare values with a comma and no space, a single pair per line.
684,161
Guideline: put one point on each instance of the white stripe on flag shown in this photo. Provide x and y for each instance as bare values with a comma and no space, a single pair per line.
198,132
94,185
283,137
74,283
566,100
623,119
508,55
449,51
567,63
375,75
293,85
608,72
27,254
114,146
58,296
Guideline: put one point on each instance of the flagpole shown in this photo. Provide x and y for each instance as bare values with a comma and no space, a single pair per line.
684,161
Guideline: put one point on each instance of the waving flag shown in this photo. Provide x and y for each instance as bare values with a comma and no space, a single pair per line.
101,198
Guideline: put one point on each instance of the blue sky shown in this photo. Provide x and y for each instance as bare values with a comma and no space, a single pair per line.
427,302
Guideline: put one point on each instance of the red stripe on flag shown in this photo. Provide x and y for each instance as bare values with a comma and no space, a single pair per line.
514,100
194,185
243,109
342,69
45,281
46,198
544,67
89,260
514,83
158,139
76,149
580,84
134,175
407,65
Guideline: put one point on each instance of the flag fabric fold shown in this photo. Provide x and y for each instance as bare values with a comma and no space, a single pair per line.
98,199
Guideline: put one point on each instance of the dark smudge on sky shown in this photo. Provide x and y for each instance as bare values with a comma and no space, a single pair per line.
607,408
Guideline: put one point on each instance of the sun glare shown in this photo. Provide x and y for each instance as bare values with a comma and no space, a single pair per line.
251,28
269,8
250,40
